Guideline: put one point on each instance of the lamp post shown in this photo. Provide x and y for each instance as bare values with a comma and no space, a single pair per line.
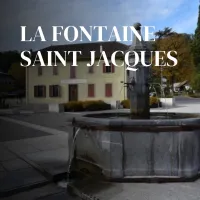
161,79
161,83
26,85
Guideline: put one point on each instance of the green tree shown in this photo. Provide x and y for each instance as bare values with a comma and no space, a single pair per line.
7,58
164,33
196,45
18,73
196,83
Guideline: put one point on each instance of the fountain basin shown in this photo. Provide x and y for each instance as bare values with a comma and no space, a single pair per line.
161,147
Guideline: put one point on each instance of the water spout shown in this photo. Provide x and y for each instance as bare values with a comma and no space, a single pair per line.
71,156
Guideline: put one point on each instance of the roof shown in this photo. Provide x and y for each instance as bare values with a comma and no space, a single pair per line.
180,84
85,48
6,76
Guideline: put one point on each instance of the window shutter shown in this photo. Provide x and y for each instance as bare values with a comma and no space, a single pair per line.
111,90
35,91
91,90
113,68
72,71
91,69
44,91
104,68
50,91
108,90
59,91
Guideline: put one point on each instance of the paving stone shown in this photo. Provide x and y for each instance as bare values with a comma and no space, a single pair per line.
141,191
1,168
33,194
49,142
19,179
6,155
15,164
21,147
2,174
54,161
59,196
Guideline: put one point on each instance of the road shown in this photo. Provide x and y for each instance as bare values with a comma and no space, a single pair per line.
187,100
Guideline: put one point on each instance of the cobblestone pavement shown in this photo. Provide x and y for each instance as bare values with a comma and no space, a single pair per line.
142,191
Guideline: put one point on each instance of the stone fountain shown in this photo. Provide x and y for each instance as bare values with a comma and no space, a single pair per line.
136,145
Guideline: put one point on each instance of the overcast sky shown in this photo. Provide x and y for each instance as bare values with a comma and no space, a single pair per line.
181,15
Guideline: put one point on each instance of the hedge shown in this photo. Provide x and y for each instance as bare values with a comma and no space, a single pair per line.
74,106
154,102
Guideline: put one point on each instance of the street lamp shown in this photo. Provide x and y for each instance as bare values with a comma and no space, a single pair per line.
161,78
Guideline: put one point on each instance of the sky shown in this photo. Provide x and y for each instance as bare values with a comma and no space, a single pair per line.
180,15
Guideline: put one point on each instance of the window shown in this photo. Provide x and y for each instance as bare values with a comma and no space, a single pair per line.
108,90
91,69
39,71
72,71
108,69
40,91
54,91
90,90
55,70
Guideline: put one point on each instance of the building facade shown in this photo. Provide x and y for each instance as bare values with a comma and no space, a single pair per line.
60,84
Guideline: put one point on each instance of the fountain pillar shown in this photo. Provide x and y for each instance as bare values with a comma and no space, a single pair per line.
138,90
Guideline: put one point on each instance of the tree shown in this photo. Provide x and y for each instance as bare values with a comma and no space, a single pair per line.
185,67
7,58
196,83
196,45
164,33
18,73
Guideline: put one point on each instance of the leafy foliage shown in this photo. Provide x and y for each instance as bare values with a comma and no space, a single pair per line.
7,59
18,73
164,33
75,106
196,44
184,68
153,102
196,83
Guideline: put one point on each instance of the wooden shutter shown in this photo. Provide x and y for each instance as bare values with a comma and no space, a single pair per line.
35,91
72,71
91,69
108,90
51,91
91,90
59,91
44,91
104,68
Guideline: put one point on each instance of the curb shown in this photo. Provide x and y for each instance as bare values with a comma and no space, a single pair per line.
22,112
